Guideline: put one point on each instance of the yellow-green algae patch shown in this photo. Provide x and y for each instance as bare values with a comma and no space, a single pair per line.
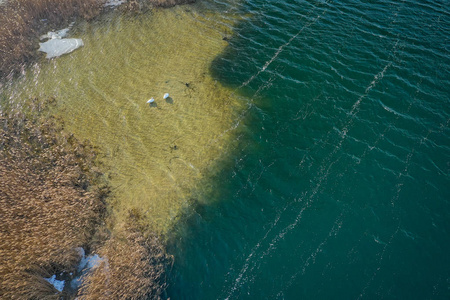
155,156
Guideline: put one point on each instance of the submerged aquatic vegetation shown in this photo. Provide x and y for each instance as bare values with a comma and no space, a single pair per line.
51,201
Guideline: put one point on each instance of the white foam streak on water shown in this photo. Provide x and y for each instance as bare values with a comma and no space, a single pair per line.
312,257
252,261
356,106
250,104
267,84
387,129
380,261
399,186
281,48
323,173
237,281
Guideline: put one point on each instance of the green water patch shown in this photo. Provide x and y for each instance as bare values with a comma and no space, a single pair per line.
154,155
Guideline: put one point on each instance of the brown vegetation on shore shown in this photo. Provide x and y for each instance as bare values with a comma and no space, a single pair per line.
133,266
21,22
51,202
52,199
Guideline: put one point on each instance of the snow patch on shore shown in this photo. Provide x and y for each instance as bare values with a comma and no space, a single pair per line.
58,284
57,44
58,47
113,3
87,264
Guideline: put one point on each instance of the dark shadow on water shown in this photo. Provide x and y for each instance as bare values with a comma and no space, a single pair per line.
169,100
153,104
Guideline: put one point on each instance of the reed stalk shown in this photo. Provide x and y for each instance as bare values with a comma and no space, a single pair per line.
52,200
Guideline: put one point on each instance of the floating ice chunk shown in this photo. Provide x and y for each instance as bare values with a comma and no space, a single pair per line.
87,263
114,3
58,284
57,47
93,261
80,251
59,34
166,95
83,261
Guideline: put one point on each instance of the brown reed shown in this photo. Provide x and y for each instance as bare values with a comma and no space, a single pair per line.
133,266
21,22
51,193
51,201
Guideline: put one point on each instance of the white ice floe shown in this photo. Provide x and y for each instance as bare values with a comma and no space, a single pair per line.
59,34
57,47
55,34
114,3
58,284
91,262
87,263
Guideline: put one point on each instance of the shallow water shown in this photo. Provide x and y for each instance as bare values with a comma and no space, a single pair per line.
153,154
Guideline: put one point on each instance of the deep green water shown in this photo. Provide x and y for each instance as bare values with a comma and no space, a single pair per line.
339,186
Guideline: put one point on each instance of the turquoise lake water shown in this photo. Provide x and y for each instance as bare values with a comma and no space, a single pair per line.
339,184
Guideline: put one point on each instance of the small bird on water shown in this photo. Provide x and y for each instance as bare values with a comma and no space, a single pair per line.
166,95
151,100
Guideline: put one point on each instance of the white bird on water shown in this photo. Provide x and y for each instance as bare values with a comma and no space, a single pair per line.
151,100
166,95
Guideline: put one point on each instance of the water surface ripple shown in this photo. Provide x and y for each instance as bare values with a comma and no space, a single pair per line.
339,187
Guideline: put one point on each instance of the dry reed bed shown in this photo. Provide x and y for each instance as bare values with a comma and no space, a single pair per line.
22,21
133,266
51,201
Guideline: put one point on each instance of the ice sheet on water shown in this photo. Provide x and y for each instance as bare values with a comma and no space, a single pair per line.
87,263
114,3
57,47
58,284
